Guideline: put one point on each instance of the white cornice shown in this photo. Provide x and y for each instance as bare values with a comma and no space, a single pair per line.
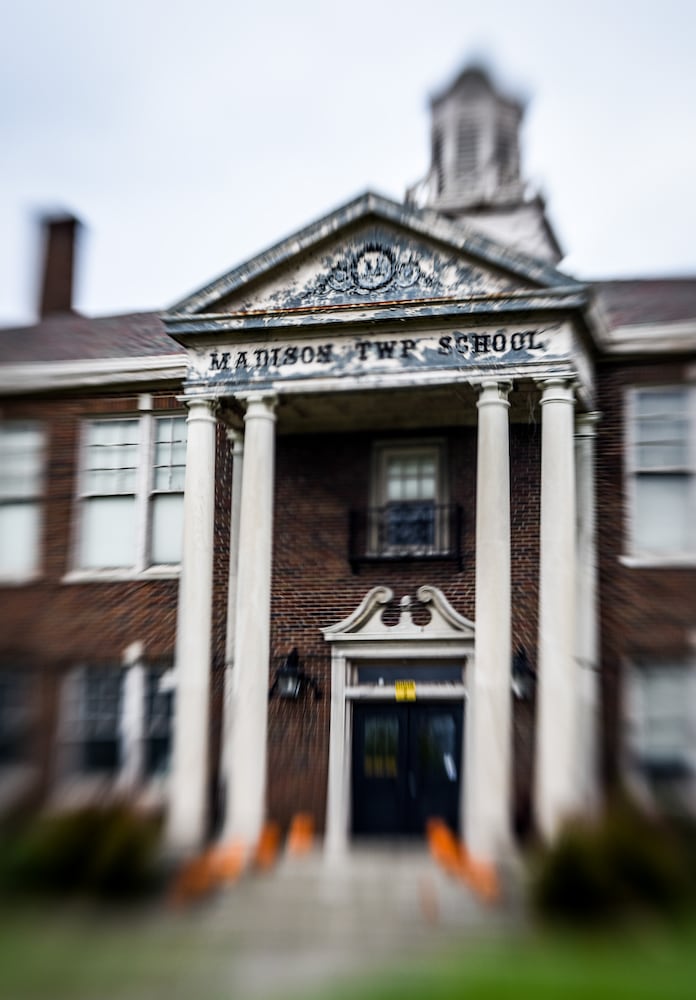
43,376
651,338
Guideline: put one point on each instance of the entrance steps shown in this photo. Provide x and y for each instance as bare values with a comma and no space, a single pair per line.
374,906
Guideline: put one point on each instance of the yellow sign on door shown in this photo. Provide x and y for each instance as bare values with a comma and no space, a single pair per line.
405,690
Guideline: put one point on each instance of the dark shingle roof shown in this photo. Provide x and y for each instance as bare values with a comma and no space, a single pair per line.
70,337
646,300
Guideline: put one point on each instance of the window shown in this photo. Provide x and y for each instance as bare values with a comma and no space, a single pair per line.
21,459
409,516
662,467
159,711
16,716
662,718
92,719
408,490
167,489
112,732
132,492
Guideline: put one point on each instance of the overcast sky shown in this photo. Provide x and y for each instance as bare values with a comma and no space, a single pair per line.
189,135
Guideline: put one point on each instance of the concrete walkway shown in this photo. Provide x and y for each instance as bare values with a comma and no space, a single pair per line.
306,924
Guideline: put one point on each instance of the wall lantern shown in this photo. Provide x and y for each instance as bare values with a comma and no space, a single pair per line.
291,680
523,678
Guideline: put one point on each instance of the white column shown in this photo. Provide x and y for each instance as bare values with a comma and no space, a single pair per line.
246,793
557,695
132,725
236,440
336,836
132,721
586,603
488,778
188,802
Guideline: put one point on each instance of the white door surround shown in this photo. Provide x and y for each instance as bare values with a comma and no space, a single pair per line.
362,637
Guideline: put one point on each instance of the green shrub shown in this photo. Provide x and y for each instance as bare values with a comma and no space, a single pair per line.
122,862
647,859
572,880
107,851
625,864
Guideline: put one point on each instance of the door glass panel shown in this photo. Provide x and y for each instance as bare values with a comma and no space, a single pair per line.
437,747
380,758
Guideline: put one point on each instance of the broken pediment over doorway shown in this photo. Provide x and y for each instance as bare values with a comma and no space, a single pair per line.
366,622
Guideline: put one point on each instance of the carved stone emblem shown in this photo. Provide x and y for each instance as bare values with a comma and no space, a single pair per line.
372,267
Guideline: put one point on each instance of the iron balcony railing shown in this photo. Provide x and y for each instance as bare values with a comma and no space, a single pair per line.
404,531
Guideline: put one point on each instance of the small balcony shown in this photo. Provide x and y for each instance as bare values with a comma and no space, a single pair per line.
405,531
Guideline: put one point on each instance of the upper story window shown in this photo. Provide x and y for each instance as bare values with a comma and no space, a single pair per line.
408,483
662,468
167,489
132,492
21,467
409,516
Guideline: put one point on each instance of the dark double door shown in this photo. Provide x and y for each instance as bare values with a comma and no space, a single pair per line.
406,766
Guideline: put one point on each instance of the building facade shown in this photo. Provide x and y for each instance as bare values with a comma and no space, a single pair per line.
393,521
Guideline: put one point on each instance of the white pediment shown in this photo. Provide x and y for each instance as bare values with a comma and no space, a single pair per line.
372,252
376,264
366,622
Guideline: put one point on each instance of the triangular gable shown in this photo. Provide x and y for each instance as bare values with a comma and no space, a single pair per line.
373,251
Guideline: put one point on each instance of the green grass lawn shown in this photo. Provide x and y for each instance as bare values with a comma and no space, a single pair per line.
642,966
85,953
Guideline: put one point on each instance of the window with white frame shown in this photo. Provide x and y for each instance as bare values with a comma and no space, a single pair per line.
21,467
132,492
662,467
94,733
661,703
167,489
408,499
92,719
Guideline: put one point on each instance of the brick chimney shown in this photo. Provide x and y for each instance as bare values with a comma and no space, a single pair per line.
59,238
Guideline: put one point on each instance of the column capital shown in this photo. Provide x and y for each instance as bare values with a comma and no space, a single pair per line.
235,438
586,424
260,406
200,407
493,392
557,390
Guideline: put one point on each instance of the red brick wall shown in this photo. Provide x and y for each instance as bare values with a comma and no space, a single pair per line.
49,626
649,611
